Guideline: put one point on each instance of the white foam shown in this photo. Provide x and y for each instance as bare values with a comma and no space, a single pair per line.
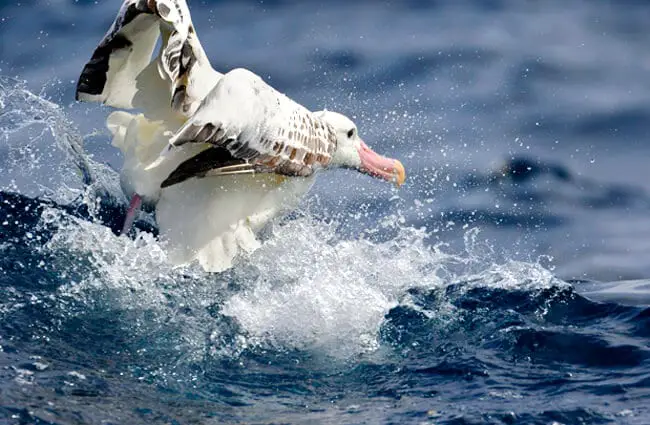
306,288
121,262
315,292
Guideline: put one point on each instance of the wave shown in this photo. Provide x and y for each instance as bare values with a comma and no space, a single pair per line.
308,287
358,306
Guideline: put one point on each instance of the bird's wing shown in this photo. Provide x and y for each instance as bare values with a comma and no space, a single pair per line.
260,126
122,73
209,162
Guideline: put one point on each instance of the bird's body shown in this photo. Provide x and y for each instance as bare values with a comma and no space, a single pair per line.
236,152
264,130
241,204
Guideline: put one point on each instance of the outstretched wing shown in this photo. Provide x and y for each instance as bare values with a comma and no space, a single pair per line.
260,126
121,72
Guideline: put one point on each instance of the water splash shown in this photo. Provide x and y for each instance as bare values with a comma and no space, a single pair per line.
42,150
310,287
316,291
306,289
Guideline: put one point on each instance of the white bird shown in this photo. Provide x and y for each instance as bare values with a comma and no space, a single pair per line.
167,89
236,153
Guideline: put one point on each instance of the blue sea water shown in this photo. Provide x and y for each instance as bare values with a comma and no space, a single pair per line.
506,282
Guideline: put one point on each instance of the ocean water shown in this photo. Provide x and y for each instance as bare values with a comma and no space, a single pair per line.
505,283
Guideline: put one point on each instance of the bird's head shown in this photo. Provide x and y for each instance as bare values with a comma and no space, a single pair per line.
352,152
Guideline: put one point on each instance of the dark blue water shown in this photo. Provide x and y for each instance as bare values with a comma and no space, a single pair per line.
507,282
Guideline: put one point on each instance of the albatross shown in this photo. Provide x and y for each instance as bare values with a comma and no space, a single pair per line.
216,156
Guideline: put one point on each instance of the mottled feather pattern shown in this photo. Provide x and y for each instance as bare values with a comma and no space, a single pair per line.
178,56
291,151
261,126
178,60
299,146
184,63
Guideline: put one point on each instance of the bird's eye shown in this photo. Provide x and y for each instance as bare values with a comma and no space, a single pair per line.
350,133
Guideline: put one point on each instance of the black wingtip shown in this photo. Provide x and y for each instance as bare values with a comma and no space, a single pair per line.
94,76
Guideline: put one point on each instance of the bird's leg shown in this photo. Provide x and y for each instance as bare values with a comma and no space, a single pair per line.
134,207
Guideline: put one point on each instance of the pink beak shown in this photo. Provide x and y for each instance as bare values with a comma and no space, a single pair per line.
381,167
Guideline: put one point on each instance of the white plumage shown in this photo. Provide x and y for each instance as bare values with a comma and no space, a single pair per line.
122,74
237,153
259,126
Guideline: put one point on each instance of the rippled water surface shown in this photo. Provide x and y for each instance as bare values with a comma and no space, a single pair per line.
506,282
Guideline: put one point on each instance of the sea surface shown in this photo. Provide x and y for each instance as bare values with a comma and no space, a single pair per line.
508,282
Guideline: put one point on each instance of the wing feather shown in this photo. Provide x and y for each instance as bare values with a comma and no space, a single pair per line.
260,126
122,73
211,161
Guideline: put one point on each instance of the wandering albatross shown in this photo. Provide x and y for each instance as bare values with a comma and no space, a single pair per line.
218,155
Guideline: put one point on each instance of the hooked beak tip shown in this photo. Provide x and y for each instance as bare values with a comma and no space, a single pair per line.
380,166
400,173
